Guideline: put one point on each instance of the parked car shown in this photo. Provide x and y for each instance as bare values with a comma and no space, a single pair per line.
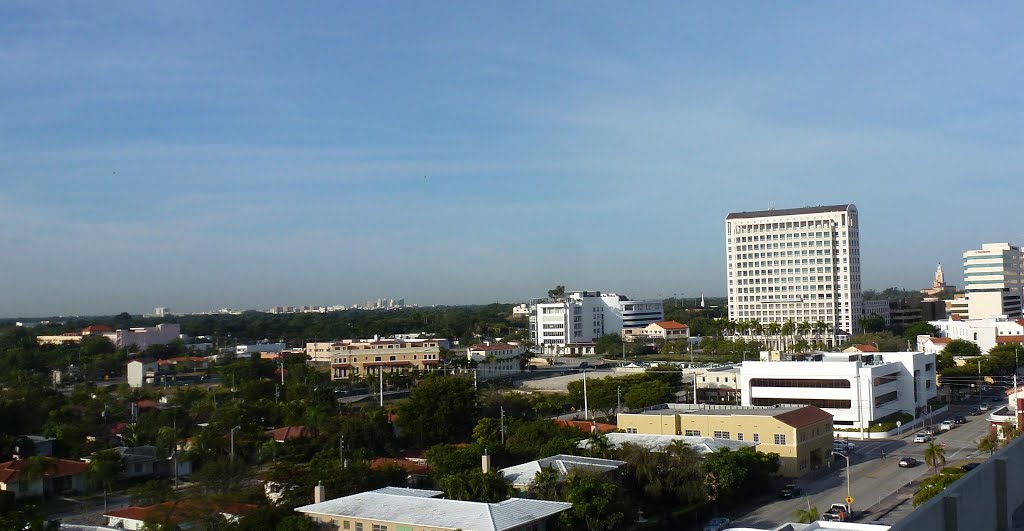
959,419
790,491
839,512
946,425
983,407
922,438
716,524
930,431
844,445
908,462
970,466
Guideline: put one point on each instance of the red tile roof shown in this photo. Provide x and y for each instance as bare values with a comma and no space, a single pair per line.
671,325
410,467
1020,322
1009,339
146,404
289,433
805,416
174,512
11,470
940,340
587,426
96,329
866,348
954,317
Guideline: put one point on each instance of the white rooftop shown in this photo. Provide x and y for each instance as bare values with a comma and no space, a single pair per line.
658,443
819,526
419,508
522,475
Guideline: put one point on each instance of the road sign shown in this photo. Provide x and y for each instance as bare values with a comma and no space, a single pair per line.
849,500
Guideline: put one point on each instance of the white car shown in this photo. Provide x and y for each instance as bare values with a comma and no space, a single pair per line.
716,524
922,438
946,425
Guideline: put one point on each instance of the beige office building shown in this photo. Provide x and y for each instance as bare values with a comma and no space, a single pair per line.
369,358
801,435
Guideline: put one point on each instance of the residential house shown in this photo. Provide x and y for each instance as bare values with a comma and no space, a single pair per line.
290,433
62,476
357,359
658,331
400,509
180,513
522,476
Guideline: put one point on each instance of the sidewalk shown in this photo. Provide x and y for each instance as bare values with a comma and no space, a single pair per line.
898,498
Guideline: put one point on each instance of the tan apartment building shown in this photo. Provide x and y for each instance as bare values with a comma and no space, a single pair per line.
801,435
401,509
362,358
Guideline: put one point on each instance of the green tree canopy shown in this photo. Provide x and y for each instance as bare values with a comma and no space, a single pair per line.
440,409
597,504
961,348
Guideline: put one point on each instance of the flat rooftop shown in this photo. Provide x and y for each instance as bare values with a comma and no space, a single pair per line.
707,409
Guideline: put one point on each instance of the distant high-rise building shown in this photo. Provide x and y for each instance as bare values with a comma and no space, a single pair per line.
797,264
994,280
162,311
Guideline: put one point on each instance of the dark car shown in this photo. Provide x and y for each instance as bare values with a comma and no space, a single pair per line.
970,466
908,462
790,491
960,419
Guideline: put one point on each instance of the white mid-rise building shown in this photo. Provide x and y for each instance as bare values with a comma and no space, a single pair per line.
857,389
994,281
494,360
986,333
797,264
584,316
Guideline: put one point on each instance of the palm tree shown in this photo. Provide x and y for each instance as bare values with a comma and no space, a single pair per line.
773,330
808,515
935,456
803,328
788,328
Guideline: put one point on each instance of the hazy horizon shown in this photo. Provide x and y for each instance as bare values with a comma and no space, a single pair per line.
203,155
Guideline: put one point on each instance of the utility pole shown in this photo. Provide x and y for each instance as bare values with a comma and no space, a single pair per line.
618,399
474,379
381,369
503,425
860,409
695,388
341,451
586,406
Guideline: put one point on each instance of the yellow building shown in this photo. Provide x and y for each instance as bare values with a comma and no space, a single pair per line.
355,359
801,435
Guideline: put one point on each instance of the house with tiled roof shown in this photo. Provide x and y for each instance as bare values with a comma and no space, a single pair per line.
289,433
414,470
177,513
659,330
587,426
414,509
494,360
63,475
863,348
801,435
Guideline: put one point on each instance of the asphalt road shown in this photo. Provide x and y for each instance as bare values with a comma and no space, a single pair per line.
873,478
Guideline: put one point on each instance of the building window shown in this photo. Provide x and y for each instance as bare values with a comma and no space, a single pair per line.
800,382
379,527
346,525
721,435
692,433
739,436
780,439
359,526
631,430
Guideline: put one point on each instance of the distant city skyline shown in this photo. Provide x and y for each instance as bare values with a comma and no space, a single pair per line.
464,153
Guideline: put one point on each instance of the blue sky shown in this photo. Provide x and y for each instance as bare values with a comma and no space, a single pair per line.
246,154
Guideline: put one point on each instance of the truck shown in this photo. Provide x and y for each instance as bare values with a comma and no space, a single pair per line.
839,512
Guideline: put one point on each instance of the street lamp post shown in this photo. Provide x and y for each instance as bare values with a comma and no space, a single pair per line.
848,495
233,442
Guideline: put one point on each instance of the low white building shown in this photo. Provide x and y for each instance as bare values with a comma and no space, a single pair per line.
494,360
857,389
718,384
986,333
145,336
